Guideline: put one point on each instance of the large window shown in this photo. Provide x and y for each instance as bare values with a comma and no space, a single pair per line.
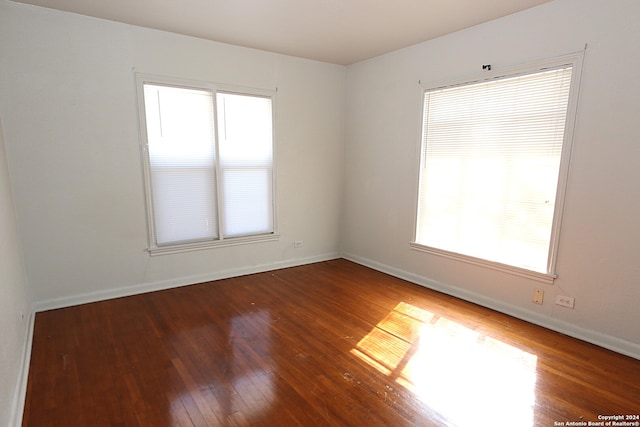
493,168
208,154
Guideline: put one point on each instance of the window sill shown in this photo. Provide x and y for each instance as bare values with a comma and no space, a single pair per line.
547,278
196,246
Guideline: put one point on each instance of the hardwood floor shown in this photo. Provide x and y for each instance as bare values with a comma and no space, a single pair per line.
332,343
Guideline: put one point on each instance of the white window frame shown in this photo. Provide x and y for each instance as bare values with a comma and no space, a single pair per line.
575,61
155,249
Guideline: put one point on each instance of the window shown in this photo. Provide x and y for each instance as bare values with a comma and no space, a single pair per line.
208,158
493,168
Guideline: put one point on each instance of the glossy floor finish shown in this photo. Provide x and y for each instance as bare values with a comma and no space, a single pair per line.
332,343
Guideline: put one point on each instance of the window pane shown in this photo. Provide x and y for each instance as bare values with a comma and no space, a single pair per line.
248,201
180,134
489,168
246,155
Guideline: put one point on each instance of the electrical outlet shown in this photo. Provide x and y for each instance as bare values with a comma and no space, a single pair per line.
297,244
538,296
565,301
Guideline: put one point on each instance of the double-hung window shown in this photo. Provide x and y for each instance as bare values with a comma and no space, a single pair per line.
208,161
494,165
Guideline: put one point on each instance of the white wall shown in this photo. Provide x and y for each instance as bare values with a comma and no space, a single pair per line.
67,97
599,254
14,302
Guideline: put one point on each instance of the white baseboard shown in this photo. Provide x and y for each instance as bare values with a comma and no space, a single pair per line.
19,397
142,288
618,345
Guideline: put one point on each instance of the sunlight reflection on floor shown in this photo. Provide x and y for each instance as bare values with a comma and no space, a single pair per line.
469,378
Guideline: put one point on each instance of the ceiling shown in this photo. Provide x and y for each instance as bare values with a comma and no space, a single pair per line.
335,31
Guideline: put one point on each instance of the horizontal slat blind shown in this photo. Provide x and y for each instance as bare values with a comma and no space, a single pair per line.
489,167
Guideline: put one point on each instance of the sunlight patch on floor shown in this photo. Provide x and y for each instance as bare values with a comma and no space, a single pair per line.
469,378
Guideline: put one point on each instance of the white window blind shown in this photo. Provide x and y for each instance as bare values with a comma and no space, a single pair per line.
209,165
181,147
244,129
491,156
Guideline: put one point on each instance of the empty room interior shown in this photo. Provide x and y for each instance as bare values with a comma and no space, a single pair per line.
281,213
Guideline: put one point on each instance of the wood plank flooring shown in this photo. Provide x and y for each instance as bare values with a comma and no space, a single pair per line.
326,344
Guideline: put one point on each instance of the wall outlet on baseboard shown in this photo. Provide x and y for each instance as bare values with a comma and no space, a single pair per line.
565,301
538,296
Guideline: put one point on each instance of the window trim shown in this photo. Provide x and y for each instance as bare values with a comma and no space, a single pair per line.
575,60
178,247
